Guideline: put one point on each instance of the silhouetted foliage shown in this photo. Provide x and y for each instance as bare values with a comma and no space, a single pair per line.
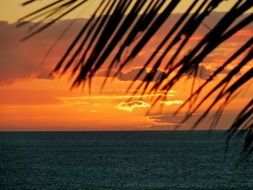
117,25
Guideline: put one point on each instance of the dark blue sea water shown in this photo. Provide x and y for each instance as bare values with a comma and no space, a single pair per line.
121,160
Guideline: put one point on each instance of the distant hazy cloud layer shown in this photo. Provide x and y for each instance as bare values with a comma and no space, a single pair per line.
168,121
202,73
23,60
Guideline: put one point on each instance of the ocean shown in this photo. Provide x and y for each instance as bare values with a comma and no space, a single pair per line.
176,160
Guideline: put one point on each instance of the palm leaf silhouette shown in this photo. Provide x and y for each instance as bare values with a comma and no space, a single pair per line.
117,25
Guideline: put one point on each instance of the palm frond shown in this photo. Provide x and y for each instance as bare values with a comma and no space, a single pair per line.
117,25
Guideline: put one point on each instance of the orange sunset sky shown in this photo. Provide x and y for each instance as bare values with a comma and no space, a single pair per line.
32,99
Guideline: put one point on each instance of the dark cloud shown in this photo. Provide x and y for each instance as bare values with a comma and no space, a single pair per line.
131,74
18,61
22,60
200,72
204,73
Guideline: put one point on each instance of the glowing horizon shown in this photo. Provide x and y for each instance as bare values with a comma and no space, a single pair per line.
31,99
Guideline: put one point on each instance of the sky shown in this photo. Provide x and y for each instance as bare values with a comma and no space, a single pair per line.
32,99
12,10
